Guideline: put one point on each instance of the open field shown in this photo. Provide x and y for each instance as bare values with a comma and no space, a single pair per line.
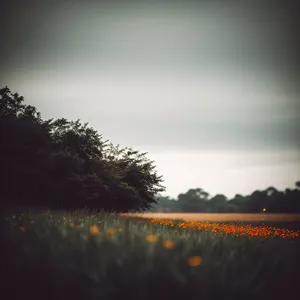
224,217
62,255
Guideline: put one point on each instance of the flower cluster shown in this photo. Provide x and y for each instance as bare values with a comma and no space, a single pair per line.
235,229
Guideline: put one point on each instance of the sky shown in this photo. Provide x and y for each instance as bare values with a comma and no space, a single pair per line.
210,89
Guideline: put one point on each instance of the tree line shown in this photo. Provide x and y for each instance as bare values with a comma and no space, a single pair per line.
62,164
197,200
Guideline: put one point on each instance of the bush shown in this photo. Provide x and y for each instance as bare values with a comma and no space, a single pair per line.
66,164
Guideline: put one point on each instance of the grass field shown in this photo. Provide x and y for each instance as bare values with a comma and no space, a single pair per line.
225,217
61,255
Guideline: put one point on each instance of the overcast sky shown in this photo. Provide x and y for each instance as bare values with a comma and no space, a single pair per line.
210,89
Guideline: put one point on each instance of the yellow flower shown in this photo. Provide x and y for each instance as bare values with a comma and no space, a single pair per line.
94,230
151,238
195,261
168,244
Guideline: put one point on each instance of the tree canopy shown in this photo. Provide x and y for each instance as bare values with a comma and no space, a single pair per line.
66,164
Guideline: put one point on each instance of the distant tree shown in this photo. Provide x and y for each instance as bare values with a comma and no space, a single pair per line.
292,201
238,203
269,200
258,201
218,204
232,208
194,200
165,204
270,191
277,203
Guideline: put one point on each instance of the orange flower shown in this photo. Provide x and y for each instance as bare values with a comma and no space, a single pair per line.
22,228
151,239
110,231
168,244
195,261
94,230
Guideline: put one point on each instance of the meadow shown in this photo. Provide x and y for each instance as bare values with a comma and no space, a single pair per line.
224,217
81,255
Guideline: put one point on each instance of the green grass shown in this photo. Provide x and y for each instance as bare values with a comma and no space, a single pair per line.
44,258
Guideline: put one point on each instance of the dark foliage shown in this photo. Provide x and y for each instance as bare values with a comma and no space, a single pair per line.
66,164
267,201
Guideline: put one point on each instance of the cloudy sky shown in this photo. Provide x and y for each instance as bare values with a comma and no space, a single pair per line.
210,89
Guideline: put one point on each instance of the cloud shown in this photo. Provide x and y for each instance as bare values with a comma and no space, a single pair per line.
195,83
212,110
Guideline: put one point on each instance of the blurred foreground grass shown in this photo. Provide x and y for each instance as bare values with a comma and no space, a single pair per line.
62,255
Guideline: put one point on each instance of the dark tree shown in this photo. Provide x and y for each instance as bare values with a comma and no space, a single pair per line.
165,204
218,204
65,164
194,200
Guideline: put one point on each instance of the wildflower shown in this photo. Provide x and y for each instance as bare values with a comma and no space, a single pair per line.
151,239
110,231
94,230
168,244
22,228
195,261
72,225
